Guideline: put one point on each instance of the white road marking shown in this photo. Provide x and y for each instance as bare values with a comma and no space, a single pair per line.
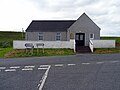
85,63
44,65
58,65
15,67
27,69
71,64
113,61
10,70
42,68
29,66
2,67
99,62
44,78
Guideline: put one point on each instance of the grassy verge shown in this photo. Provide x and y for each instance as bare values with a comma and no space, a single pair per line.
47,52
107,50
3,51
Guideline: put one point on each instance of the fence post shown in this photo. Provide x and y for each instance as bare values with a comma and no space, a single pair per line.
40,44
29,45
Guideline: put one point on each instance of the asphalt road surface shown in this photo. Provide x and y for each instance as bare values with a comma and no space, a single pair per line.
78,72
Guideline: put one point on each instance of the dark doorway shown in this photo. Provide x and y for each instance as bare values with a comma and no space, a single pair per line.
80,39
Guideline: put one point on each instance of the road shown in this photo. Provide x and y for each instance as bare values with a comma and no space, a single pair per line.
77,72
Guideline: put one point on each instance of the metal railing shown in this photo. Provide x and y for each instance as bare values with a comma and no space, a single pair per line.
91,46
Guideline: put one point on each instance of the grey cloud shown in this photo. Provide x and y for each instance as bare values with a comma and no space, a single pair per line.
83,3
104,12
53,5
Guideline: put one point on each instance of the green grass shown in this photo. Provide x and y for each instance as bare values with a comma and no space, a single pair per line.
47,52
107,50
6,41
3,51
111,38
10,36
6,38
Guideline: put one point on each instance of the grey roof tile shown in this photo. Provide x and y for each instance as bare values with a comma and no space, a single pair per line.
49,25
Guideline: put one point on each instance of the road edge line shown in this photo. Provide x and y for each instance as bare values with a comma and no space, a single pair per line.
44,78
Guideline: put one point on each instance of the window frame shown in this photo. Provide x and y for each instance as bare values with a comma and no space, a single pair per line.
58,36
41,36
92,35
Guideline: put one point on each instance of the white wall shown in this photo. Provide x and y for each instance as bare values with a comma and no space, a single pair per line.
103,43
17,44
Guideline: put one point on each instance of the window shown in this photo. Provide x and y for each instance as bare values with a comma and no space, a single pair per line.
91,36
58,36
81,37
40,36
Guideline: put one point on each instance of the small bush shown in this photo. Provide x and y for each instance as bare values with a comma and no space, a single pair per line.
5,44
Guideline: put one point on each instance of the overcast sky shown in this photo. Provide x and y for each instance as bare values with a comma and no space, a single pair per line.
17,14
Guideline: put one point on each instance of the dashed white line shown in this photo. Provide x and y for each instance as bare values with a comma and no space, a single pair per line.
2,67
29,66
42,68
10,70
15,67
113,61
99,62
71,64
44,65
86,63
27,69
58,65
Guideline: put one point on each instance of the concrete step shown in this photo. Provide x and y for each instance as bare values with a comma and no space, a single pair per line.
83,49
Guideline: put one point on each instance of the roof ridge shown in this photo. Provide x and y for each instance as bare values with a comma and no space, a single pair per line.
53,20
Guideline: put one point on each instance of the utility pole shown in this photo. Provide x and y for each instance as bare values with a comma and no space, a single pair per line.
22,33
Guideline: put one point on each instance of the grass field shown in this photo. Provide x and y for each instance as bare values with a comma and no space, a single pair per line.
111,38
6,41
9,36
6,38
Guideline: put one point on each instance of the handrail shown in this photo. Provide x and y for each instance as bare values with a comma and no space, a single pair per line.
91,42
91,45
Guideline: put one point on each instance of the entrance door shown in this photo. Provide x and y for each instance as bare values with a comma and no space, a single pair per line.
80,39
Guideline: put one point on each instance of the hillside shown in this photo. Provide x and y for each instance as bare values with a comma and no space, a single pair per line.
6,38
111,38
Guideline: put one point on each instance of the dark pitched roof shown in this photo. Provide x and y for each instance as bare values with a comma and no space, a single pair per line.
49,25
